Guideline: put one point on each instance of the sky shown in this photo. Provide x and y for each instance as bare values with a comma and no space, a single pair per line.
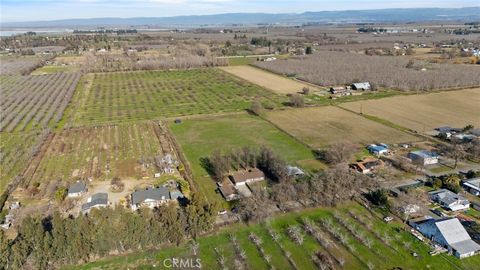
35,10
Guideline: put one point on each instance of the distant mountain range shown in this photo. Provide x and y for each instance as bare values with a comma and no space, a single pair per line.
466,14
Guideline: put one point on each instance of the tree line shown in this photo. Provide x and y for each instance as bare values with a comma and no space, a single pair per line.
52,241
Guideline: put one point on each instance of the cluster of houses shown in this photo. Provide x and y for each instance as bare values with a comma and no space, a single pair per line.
449,133
447,232
349,90
370,164
148,197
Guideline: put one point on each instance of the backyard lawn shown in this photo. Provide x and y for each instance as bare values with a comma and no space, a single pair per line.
199,137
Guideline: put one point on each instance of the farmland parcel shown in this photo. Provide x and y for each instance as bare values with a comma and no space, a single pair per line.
425,112
200,137
266,79
372,244
334,68
132,96
99,153
321,126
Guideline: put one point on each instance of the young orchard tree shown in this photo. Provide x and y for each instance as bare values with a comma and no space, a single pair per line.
297,100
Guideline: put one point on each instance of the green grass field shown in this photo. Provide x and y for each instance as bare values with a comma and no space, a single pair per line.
132,96
54,69
199,137
394,252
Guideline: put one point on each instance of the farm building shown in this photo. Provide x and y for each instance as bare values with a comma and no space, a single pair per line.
243,177
378,150
338,90
150,197
472,186
365,86
77,189
368,165
449,200
97,200
423,157
450,234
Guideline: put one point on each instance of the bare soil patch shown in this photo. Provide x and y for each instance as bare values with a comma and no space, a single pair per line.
276,83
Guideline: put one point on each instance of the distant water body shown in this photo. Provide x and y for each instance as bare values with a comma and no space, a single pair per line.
9,33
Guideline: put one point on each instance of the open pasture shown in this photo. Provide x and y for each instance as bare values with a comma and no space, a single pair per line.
34,101
425,112
321,126
131,96
101,153
200,137
274,82
349,237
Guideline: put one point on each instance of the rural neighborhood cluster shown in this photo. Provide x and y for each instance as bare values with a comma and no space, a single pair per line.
313,146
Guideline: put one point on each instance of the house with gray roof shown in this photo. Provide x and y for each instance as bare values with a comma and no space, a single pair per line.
77,189
472,186
450,234
423,157
97,200
449,200
149,197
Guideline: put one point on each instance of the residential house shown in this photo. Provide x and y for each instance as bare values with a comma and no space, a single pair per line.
449,233
378,150
228,191
250,175
368,165
98,200
149,197
449,200
365,86
76,190
472,186
423,157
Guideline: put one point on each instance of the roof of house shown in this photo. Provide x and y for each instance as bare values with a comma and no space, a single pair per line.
245,175
176,194
156,194
362,85
424,154
227,189
466,246
368,163
446,196
377,148
77,187
96,199
452,230
473,183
